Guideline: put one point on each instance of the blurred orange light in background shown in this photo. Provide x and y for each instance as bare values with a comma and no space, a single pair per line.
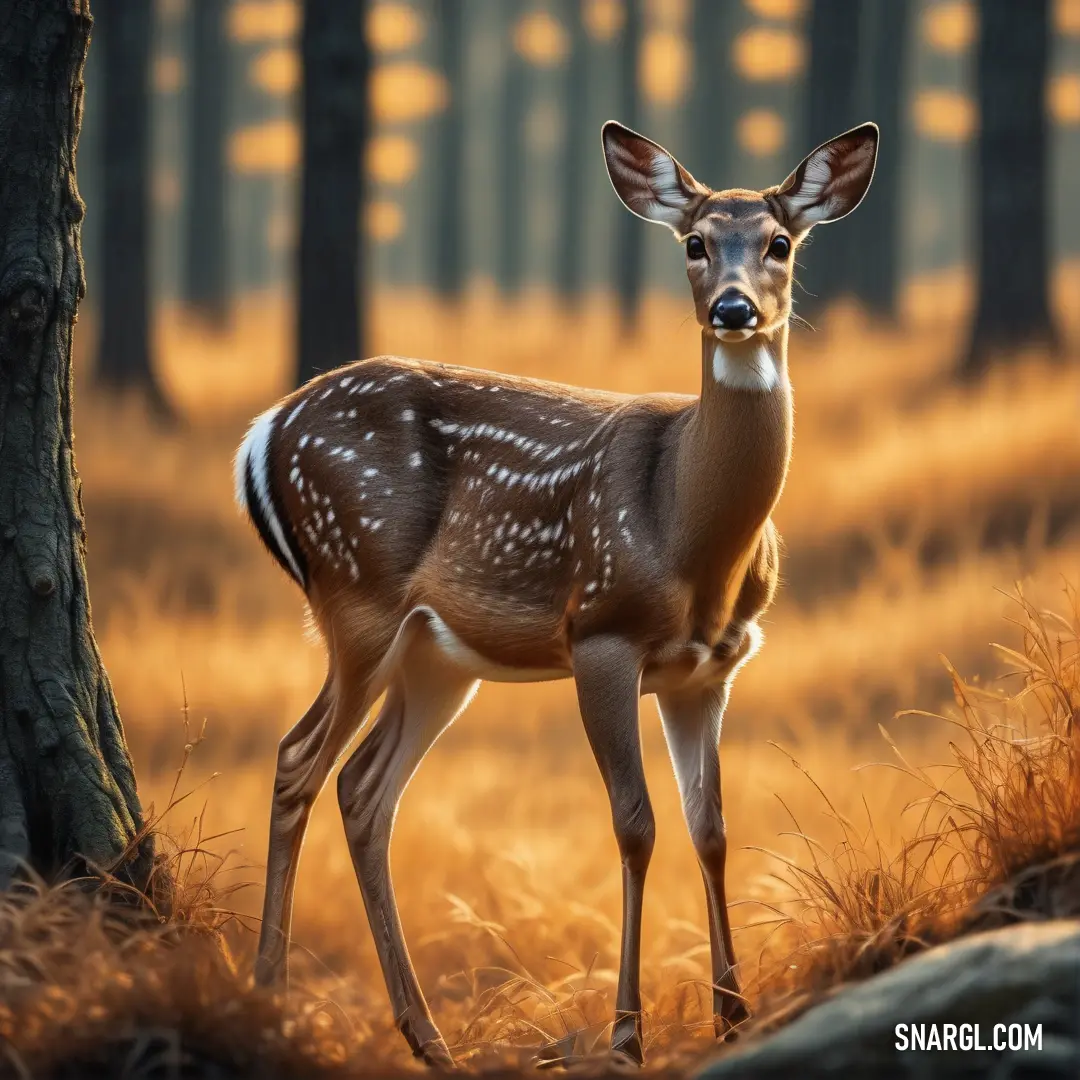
1067,17
665,66
603,18
280,232
263,20
276,71
944,115
393,27
265,148
383,220
951,27
391,159
761,132
405,91
768,54
169,74
777,9
667,12
541,39
166,189
1065,99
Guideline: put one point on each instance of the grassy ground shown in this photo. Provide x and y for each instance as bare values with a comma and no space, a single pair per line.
911,505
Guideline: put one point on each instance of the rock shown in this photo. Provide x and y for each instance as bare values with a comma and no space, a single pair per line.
1025,974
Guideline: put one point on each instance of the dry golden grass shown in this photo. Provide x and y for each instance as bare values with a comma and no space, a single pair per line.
505,868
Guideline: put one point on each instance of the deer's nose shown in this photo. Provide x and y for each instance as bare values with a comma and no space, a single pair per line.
733,310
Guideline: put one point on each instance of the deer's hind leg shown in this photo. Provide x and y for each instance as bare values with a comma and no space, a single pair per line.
426,694
305,757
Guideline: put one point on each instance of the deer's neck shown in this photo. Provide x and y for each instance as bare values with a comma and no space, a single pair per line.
731,462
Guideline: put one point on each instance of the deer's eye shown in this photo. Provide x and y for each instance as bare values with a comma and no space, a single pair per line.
780,248
695,248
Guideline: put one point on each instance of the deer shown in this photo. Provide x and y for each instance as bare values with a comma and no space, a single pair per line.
450,525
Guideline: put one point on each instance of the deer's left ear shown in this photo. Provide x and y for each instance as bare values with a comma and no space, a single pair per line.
831,180
648,180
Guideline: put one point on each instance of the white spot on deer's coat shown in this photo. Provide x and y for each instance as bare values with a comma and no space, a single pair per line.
304,440
293,415
414,459
371,471
407,415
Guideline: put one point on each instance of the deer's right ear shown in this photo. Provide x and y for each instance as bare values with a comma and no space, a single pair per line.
650,182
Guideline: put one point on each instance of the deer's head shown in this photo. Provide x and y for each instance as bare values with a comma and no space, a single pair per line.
740,245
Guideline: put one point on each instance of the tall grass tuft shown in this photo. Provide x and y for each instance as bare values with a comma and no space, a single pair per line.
997,838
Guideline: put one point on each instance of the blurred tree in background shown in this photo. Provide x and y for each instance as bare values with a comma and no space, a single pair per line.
334,108
874,234
510,237
712,110
1011,183
630,238
581,144
124,32
832,106
206,254
449,29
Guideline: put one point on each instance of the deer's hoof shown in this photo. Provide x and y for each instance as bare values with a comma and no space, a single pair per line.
436,1054
626,1048
727,1024
267,972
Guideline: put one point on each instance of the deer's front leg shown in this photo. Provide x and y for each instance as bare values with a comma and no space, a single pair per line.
607,673
692,722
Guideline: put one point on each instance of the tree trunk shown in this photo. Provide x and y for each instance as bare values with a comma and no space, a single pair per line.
832,107
124,30
874,236
1012,205
510,256
68,802
713,95
206,272
335,121
630,239
450,148
579,146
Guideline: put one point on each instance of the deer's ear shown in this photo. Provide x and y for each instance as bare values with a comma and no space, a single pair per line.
831,180
650,182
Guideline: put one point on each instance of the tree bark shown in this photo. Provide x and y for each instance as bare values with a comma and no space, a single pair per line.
335,121
68,802
124,351
874,232
450,148
832,107
1012,204
630,238
206,271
